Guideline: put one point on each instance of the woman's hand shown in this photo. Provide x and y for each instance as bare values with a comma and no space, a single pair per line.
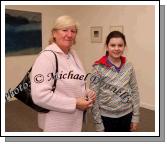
83,104
134,126
91,95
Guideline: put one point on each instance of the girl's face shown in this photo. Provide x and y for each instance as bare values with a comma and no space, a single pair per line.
115,47
65,37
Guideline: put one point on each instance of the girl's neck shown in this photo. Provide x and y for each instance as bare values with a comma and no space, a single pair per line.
115,61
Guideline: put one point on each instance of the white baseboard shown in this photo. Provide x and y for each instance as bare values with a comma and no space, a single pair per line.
148,106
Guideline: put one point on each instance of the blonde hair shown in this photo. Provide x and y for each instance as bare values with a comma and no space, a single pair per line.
62,22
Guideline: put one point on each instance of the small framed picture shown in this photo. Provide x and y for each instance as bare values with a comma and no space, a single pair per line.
117,28
96,34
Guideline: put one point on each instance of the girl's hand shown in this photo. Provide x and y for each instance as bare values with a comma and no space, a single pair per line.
134,126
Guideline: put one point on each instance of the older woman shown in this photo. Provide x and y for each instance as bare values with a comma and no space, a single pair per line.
67,102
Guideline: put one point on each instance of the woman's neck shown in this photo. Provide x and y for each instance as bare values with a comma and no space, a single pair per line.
64,49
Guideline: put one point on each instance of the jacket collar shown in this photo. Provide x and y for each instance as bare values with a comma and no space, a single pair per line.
56,49
103,61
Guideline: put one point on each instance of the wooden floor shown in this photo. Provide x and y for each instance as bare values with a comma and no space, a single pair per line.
20,118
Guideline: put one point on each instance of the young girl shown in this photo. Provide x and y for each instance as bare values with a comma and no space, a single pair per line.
116,108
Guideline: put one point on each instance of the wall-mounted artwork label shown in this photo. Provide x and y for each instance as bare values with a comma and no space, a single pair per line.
117,28
23,34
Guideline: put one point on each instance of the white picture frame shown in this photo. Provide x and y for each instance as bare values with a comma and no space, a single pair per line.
96,34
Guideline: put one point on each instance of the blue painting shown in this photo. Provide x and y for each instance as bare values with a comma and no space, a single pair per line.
23,34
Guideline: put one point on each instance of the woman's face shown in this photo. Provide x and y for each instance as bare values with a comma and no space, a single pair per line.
65,37
115,47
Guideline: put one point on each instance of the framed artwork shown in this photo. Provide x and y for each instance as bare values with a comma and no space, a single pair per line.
23,34
96,34
117,28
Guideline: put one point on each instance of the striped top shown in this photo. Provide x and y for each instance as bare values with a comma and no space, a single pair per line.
117,91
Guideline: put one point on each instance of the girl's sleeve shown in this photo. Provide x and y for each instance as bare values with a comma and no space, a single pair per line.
41,86
135,97
95,85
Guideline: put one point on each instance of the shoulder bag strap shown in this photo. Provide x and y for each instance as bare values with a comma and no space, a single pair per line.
55,80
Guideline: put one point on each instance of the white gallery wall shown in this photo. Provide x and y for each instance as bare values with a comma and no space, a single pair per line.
139,28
